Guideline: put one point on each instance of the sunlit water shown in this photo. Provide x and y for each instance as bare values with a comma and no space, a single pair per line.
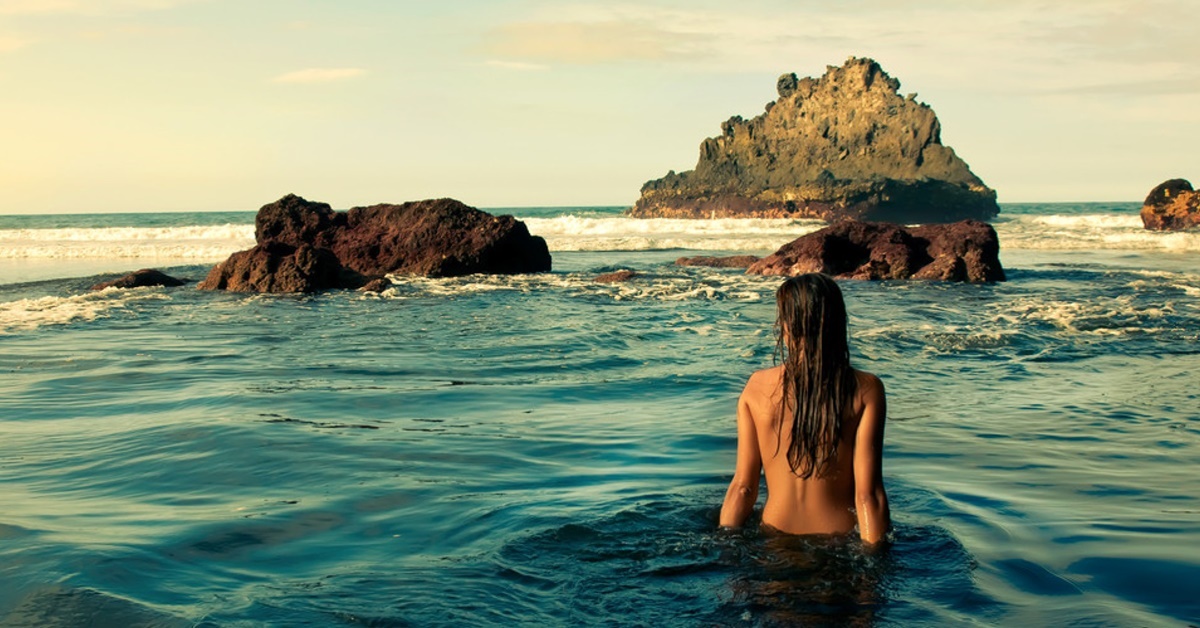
552,451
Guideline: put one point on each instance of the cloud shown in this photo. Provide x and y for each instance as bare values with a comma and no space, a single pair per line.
1182,85
9,44
1029,46
520,66
319,75
83,7
584,42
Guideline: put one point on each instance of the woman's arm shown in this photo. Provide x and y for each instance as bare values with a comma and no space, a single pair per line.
743,490
870,498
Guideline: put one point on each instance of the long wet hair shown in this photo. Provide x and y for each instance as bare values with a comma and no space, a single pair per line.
818,383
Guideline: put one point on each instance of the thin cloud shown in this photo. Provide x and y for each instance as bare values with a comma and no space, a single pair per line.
9,44
579,42
1160,87
83,7
519,66
319,75
1017,45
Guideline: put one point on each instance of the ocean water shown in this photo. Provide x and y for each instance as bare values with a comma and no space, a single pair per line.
547,450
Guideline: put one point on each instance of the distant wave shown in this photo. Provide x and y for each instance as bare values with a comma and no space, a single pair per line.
617,233
1089,232
193,243
591,233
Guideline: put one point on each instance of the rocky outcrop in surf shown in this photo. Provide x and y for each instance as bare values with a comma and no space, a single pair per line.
731,261
962,251
1172,206
846,145
618,276
146,277
305,246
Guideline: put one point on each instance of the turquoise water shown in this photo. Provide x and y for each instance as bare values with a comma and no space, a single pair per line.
549,450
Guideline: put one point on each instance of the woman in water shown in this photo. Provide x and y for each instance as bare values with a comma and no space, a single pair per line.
813,424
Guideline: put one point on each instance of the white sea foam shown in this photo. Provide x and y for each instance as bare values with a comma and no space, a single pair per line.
1090,232
200,244
1117,316
713,286
619,233
29,314
210,243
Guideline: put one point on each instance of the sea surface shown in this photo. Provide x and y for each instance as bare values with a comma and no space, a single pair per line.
546,450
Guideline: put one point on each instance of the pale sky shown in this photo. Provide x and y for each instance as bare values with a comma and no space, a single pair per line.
170,105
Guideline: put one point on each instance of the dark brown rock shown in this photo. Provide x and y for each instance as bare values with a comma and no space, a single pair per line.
1171,206
616,276
963,251
379,284
141,278
434,238
732,261
277,267
846,145
437,238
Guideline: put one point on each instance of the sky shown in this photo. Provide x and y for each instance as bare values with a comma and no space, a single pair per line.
192,105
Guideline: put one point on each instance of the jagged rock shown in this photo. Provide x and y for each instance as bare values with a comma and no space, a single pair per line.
732,261
616,276
140,279
312,247
846,145
1171,206
278,267
962,251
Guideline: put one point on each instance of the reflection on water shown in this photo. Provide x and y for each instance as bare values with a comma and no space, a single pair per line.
810,580
64,607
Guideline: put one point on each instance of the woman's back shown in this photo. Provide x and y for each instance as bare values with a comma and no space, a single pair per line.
822,503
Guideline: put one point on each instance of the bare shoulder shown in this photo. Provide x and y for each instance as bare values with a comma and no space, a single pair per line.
764,381
870,391
761,391
868,383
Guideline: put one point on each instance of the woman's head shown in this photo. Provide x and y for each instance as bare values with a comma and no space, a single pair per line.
811,319
818,381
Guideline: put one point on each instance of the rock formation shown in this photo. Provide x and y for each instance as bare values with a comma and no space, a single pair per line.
619,276
1171,206
304,246
732,261
140,279
379,284
963,251
277,267
846,145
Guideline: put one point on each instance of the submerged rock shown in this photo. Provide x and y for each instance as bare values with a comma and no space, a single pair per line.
963,251
305,246
616,276
140,279
732,261
1171,206
378,284
846,145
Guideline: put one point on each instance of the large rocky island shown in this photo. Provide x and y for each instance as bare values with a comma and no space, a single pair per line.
306,246
846,145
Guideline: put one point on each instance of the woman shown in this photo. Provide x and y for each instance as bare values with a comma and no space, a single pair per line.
813,424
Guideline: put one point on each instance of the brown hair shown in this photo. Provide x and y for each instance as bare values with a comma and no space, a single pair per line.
818,382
